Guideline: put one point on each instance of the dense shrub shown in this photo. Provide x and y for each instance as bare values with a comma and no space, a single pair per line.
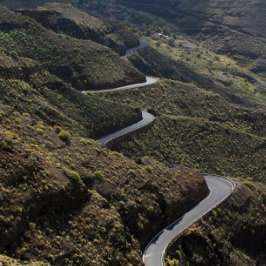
64,136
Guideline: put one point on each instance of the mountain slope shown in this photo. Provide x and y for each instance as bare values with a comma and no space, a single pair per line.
83,63
243,15
64,18
228,27
65,199
228,236
198,128
240,24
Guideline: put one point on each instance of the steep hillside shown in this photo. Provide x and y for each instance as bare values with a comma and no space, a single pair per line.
205,145
198,128
72,201
226,236
204,131
65,199
83,63
210,72
243,15
23,81
30,4
153,63
64,18
235,28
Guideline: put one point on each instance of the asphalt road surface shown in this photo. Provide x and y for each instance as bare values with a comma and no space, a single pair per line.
147,118
220,189
149,81
131,51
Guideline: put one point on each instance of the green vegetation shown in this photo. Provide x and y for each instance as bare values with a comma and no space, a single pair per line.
72,175
5,260
62,204
39,176
85,64
99,175
64,18
250,184
198,143
198,128
64,136
67,200
239,236
234,29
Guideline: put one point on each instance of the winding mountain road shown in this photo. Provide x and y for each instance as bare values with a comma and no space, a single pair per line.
149,81
154,253
219,188
131,51
147,119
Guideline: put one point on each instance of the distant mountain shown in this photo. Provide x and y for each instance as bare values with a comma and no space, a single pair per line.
26,4
235,28
230,27
243,15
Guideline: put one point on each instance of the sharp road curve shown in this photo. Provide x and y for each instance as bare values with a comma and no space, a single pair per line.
154,253
131,51
149,81
147,119
219,187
